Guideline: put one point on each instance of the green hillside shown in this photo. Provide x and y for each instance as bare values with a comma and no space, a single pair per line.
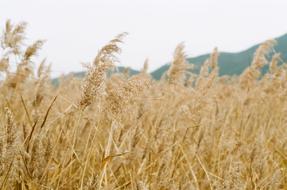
82,73
230,63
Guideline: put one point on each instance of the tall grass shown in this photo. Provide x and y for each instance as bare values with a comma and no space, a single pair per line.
185,131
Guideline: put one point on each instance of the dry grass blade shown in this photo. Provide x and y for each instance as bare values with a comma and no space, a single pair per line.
6,176
47,112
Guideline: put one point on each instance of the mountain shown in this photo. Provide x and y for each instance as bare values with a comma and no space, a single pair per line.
231,63
81,74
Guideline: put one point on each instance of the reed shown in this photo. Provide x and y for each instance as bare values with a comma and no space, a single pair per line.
118,131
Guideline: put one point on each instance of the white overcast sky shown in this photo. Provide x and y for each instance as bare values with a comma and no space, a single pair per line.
76,29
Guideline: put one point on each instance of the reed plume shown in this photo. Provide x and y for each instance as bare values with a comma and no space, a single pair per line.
177,71
94,82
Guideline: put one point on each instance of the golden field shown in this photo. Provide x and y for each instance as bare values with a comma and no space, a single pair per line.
185,131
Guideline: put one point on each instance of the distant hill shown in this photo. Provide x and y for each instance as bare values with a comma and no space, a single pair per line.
82,73
117,70
230,63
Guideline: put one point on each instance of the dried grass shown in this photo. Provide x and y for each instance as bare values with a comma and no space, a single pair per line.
131,132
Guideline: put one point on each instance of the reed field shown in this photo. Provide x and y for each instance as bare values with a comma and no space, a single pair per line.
116,131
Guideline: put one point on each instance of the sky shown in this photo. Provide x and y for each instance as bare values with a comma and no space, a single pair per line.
75,30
